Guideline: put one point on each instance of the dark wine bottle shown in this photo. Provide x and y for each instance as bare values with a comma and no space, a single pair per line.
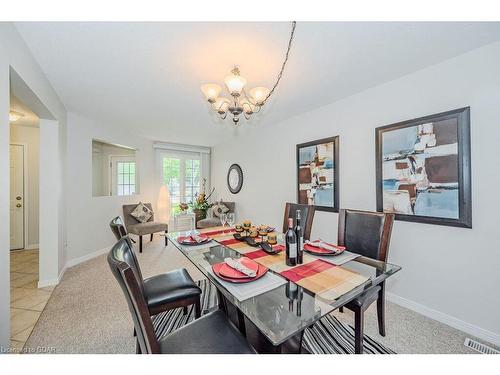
299,233
291,245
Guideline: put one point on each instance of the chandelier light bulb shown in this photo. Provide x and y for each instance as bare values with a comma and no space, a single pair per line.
211,91
259,94
235,83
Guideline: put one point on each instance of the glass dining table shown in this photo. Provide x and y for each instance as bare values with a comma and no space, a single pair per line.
274,321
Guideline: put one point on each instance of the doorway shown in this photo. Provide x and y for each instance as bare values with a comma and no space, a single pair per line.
27,300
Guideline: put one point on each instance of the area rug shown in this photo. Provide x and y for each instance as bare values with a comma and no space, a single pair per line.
327,336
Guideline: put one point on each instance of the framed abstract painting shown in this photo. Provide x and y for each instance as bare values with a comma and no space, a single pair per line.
318,174
424,169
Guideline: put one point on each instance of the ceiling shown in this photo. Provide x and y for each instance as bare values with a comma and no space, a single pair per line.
147,76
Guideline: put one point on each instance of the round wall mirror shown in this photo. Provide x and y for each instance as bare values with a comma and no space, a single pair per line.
234,178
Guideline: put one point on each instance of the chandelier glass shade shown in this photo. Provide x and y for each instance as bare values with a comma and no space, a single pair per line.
239,101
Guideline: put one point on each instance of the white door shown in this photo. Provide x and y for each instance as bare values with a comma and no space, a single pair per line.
16,197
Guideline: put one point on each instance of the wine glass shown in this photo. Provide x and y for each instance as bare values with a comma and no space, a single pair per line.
223,219
230,219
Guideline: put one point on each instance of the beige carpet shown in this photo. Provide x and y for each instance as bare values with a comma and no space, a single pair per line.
87,313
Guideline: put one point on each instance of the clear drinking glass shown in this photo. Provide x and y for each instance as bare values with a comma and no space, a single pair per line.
231,219
223,219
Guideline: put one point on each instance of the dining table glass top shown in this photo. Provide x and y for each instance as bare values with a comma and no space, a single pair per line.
288,309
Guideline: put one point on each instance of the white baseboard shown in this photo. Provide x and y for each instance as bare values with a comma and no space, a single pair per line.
481,333
52,282
71,263
32,246
75,261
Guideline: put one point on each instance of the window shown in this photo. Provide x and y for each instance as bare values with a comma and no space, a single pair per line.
182,175
192,179
123,175
126,178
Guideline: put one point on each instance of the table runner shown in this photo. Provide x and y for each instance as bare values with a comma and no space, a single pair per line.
318,276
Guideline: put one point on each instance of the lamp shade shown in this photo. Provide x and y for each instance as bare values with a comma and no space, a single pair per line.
235,84
221,105
248,107
163,204
259,94
211,91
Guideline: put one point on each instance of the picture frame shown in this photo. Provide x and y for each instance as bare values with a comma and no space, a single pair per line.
423,169
318,174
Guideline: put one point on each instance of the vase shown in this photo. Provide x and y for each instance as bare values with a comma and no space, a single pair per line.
199,215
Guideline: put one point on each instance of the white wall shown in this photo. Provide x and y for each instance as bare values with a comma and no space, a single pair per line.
450,273
15,54
31,137
88,230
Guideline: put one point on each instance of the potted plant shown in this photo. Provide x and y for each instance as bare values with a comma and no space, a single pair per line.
201,203
183,207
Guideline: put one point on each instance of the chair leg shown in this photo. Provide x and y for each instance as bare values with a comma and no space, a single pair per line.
137,347
358,330
166,239
381,311
140,244
151,239
197,309
185,310
341,309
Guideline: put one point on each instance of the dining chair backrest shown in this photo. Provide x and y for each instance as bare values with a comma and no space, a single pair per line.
127,254
134,294
365,233
118,228
306,216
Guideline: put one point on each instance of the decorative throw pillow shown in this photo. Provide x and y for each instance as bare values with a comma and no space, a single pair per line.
219,209
142,213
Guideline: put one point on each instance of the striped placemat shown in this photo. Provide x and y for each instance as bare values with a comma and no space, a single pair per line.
322,278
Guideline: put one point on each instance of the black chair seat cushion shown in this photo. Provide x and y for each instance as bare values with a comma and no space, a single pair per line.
169,287
211,334
366,298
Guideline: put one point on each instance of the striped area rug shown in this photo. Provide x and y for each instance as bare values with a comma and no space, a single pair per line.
327,336
171,320
331,336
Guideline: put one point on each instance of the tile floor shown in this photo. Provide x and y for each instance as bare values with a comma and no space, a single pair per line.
26,300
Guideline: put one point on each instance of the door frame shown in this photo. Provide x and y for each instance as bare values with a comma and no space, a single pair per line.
25,195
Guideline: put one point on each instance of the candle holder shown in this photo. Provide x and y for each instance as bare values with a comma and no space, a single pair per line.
263,232
272,238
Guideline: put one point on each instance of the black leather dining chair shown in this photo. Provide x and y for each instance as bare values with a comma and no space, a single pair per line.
118,228
163,292
211,334
306,217
368,234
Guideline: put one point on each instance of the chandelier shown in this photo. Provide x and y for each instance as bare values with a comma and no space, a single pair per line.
239,101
